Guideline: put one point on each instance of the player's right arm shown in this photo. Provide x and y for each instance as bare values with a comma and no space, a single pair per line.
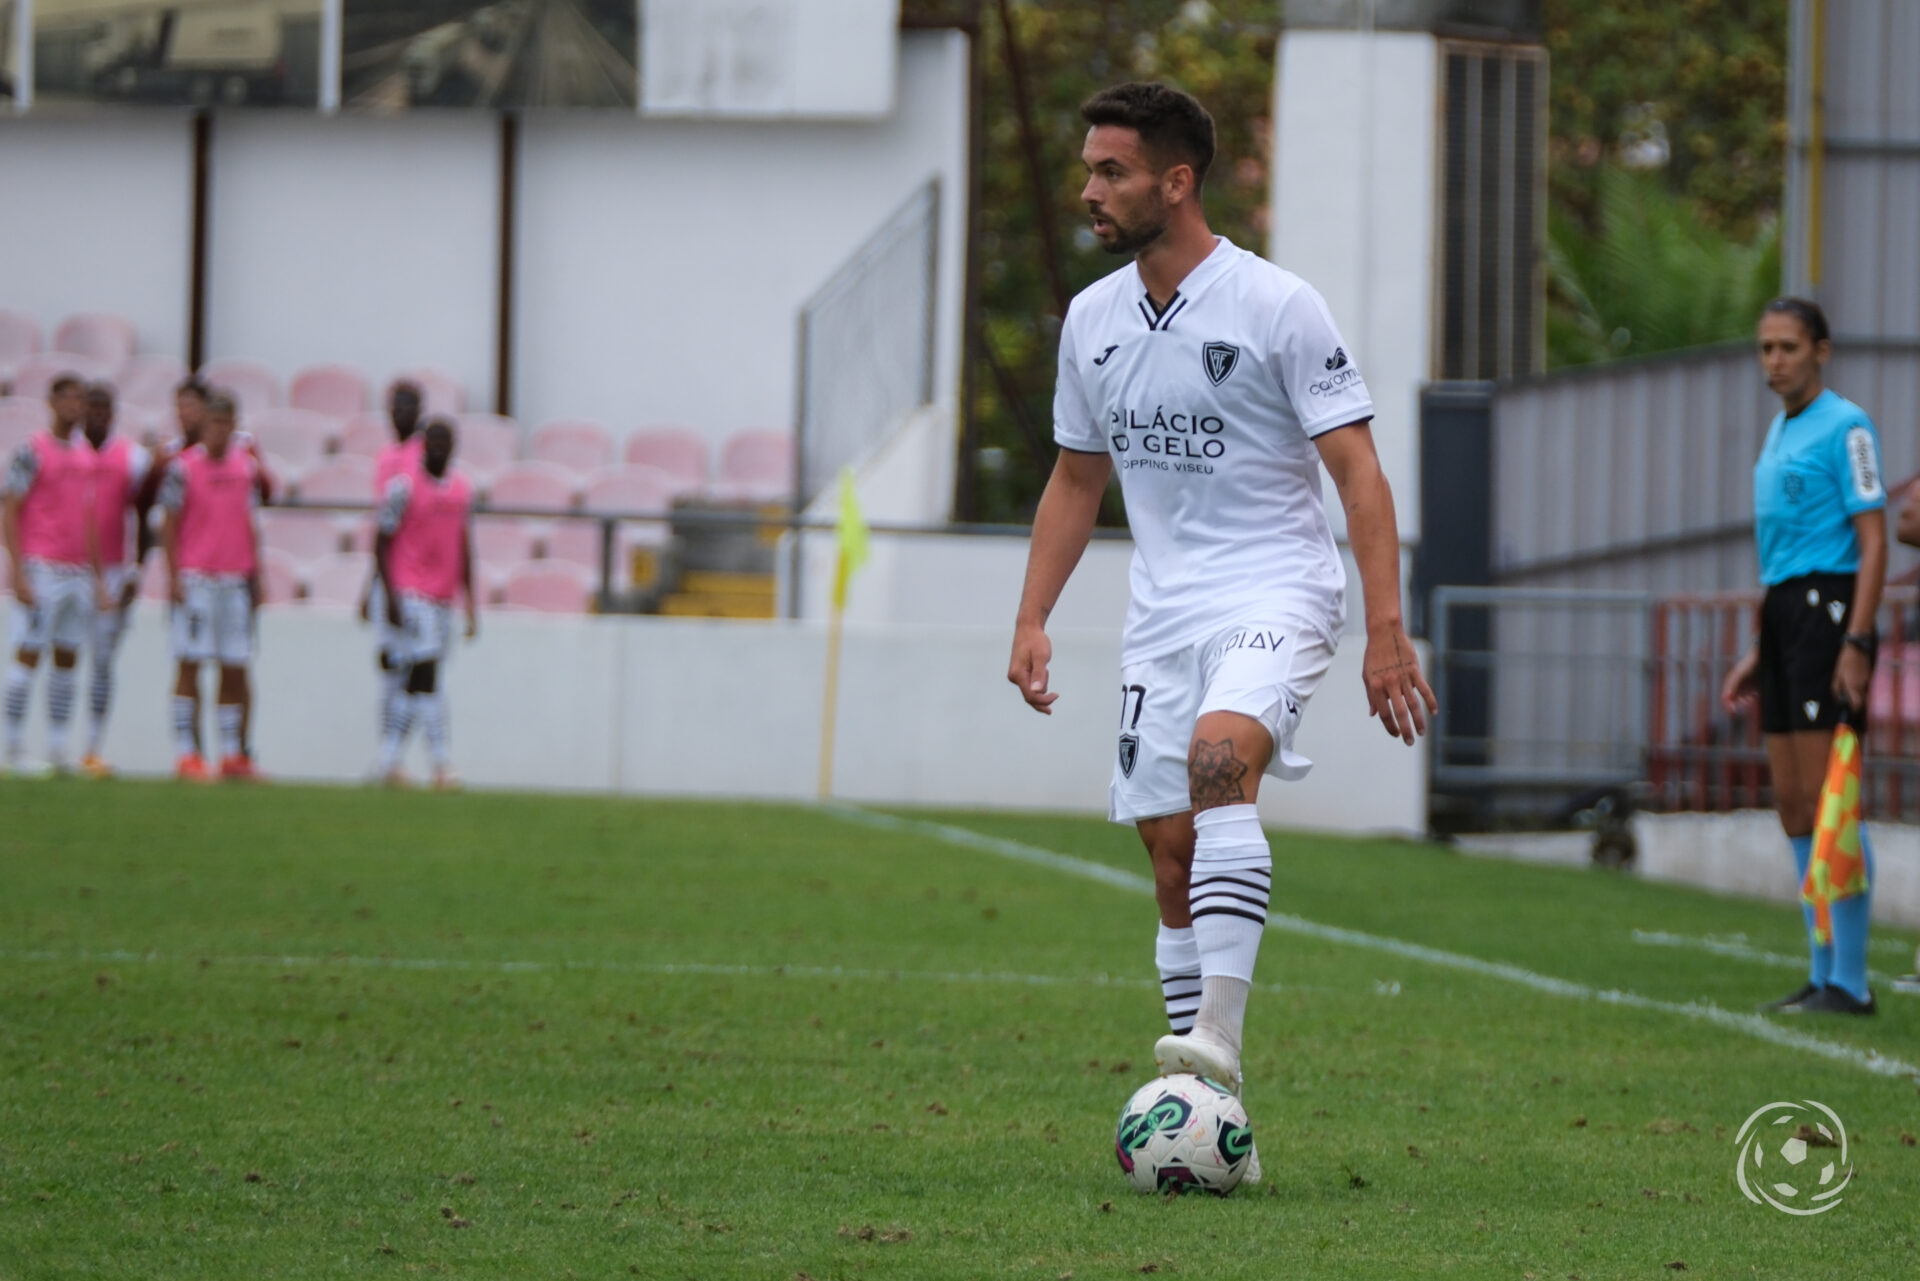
172,496
393,506
19,478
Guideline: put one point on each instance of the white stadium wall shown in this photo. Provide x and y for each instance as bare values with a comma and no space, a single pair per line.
98,218
657,706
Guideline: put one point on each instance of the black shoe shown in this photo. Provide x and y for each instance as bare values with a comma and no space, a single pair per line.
1792,1004
1837,1000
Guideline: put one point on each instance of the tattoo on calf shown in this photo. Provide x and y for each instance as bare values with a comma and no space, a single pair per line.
1214,774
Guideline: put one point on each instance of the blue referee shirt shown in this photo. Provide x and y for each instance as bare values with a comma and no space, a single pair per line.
1818,470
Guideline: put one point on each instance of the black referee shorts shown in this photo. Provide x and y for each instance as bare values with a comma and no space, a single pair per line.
1803,627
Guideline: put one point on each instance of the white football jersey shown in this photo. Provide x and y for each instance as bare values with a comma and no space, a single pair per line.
1209,409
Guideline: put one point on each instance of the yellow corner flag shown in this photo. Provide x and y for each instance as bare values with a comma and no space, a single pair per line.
1838,868
852,538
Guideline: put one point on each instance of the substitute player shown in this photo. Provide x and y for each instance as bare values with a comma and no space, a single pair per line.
425,555
400,456
1819,509
1218,385
119,474
209,496
52,541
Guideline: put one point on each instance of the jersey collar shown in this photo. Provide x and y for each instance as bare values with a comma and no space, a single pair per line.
1203,274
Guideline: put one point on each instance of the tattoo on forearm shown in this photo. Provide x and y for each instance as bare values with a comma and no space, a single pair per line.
1214,774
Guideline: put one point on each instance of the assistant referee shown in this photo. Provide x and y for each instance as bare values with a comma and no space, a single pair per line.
1819,510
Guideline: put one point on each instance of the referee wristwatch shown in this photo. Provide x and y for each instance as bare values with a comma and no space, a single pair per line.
1867,643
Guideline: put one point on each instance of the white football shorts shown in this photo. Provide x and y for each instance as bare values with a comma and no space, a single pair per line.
109,625
426,628
215,624
62,612
1266,671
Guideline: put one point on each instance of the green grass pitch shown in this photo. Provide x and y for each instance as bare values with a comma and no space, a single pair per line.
291,1032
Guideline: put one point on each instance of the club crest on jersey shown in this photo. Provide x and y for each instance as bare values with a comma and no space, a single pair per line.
1220,358
1129,754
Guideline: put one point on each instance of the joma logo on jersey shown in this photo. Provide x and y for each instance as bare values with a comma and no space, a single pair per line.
1219,359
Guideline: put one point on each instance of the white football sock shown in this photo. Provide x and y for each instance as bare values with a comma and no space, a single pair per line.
1177,956
229,714
19,685
60,690
99,702
1228,892
398,717
431,710
186,710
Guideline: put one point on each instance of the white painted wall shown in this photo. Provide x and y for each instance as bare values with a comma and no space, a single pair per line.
1353,200
661,264
683,706
97,217
366,241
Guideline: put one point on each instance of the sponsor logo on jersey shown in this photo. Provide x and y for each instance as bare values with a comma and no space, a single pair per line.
1170,435
1219,359
1338,360
1866,468
1344,376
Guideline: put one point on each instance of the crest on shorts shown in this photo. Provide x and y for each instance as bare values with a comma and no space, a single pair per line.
1129,754
1220,358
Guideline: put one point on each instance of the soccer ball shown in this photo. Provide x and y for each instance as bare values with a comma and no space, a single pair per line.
1183,1133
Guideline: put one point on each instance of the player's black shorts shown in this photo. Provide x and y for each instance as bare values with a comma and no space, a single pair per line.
1803,626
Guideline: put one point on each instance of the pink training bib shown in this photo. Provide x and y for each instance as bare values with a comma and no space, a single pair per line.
402,456
55,512
112,492
216,515
426,555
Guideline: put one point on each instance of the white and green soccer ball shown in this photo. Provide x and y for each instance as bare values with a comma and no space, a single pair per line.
1183,1134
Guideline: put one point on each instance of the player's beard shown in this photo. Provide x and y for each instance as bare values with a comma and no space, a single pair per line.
1131,238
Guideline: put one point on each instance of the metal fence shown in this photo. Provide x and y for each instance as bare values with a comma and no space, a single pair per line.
1547,694
867,344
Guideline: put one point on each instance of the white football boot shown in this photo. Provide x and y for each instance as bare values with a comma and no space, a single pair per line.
1202,1057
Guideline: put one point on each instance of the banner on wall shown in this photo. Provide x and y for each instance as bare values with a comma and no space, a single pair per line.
399,55
203,53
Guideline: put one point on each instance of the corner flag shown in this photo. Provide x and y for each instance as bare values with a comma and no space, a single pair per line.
851,535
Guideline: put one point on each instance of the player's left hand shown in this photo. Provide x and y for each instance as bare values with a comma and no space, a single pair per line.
1851,676
102,598
473,625
1396,691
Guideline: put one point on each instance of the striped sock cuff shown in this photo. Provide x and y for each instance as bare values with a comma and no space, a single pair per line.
1242,892
1181,995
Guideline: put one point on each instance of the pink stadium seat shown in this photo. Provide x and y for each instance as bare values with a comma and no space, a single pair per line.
632,488
365,435
439,393
343,478
298,436
279,578
148,381
338,580
575,444
358,532
104,337
304,537
534,486
338,391
19,419
757,466
35,374
252,385
19,338
680,453
550,587
575,542
505,541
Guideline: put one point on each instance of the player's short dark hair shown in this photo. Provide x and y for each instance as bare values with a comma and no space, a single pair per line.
193,387
220,403
100,390
1806,311
65,382
1171,124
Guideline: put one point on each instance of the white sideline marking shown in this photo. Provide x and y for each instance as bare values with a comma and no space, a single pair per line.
1752,1025
1736,950
622,967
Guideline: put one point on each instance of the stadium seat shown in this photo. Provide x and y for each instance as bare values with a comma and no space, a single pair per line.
19,338
576,542
305,537
19,419
339,580
548,587
484,445
338,391
756,466
439,393
300,437
149,381
632,488
344,478
279,577
534,486
34,375
501,544
106,338
252,385
680,453
575,444
365,435
357,532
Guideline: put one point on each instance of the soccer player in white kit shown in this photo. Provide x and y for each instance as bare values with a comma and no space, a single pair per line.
120,472
1217,384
